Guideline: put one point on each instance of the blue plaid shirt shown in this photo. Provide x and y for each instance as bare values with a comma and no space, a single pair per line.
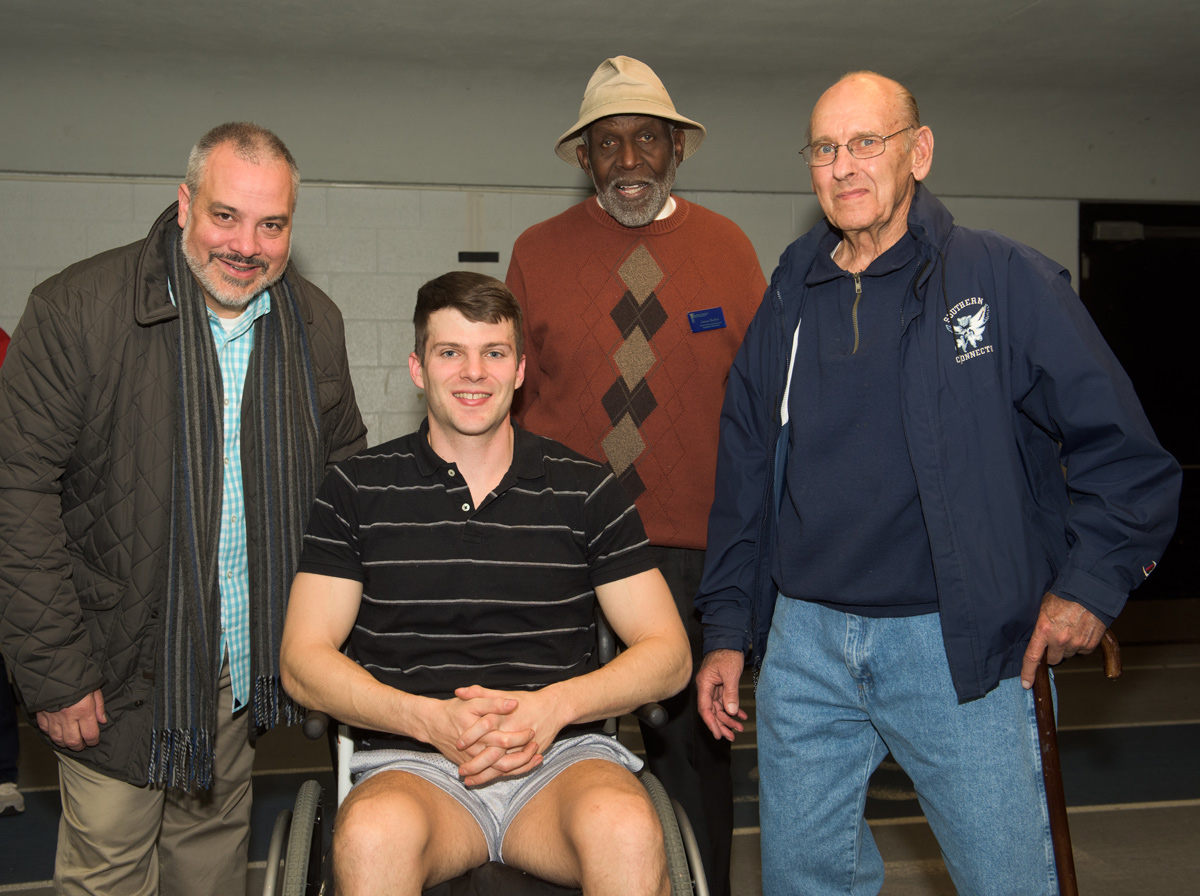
233,352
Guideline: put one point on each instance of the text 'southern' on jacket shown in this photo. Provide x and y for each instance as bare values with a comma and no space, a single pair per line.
1006,384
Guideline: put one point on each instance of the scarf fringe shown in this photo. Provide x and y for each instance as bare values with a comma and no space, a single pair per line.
272,706
181,758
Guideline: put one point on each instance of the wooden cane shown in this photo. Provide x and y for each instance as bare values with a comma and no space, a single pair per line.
1056,801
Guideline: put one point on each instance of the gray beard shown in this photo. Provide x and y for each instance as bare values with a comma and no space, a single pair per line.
231,296
638,212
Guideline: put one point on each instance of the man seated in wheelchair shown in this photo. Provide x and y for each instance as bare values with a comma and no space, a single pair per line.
444,606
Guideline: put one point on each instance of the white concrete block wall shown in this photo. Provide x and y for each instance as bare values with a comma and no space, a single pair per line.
770,220
47,224
371,247
368,247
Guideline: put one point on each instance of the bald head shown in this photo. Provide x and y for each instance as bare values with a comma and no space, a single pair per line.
863,84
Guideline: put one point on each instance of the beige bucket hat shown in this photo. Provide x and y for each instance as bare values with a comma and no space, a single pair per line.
624,86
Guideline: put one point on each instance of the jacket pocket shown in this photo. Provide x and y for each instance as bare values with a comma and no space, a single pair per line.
329,393
95,589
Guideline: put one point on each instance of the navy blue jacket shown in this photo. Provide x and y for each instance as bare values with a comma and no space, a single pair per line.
1005,382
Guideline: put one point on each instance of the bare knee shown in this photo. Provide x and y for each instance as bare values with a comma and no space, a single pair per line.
378,842
608,813
397,833
617,836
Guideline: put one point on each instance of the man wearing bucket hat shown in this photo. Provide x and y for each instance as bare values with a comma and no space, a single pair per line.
635,303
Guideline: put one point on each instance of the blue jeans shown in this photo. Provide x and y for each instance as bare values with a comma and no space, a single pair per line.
837,693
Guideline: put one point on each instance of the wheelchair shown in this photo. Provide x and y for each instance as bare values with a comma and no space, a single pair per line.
296,856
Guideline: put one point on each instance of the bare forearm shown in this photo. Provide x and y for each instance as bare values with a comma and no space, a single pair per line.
321,614
329,681
653,669
655,665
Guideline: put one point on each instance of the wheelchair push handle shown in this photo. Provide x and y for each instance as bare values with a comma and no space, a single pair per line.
316,723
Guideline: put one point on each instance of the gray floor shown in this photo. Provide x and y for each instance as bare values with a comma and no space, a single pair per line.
1120,849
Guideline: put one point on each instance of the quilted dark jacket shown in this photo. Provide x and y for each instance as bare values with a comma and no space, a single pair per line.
88,394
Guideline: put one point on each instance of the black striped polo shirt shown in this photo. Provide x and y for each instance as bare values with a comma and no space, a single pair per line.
500,595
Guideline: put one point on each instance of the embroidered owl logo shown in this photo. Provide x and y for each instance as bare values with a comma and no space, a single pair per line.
968,331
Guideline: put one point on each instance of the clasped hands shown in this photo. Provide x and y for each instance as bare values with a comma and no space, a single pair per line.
492,734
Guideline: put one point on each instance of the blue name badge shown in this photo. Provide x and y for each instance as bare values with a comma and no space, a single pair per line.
708,319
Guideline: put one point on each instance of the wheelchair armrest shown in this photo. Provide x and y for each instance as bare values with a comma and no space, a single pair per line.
606,640
652,714
606,649
316,723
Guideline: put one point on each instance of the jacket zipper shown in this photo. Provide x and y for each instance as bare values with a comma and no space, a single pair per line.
854,310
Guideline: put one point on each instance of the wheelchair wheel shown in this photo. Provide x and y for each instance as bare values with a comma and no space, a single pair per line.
677,860
302,861
691,848
275,851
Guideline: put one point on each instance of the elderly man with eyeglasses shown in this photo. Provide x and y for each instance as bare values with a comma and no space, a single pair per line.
893,537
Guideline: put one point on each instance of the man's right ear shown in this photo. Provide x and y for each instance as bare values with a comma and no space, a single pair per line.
185,203
582,155
416,371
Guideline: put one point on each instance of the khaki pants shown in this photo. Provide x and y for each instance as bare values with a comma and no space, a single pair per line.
117,839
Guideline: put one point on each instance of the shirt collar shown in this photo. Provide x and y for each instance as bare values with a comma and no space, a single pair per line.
258,306
528,461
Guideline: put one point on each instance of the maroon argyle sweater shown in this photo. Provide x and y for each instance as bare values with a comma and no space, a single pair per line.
613,366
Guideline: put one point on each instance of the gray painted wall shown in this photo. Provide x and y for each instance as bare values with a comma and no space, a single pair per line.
374,122
404,167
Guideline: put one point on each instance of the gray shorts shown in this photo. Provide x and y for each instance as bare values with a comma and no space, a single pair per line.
493,805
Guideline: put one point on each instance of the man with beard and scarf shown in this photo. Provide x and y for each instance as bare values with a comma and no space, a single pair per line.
635,303
167,411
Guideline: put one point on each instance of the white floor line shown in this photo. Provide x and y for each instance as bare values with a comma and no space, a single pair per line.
314,770
42,788
1127,667
26,886
1129,807
1160,723
1071,810
1153,724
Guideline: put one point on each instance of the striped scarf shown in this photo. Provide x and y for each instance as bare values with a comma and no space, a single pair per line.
283,466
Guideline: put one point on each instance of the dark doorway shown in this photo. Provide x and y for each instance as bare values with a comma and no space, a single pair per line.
1137,280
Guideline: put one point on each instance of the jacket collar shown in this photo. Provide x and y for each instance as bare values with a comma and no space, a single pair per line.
151,303
929,221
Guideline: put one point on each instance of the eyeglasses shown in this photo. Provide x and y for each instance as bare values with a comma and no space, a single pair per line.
818,155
